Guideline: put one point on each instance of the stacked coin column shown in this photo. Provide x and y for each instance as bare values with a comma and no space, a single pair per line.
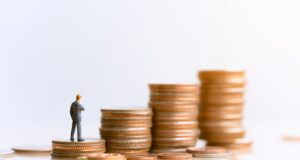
127,131
221,107
175,113
65,149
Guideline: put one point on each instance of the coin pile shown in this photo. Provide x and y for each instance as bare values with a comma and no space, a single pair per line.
221,107
175,113
66,149
174,156
108,157
210,153
127,131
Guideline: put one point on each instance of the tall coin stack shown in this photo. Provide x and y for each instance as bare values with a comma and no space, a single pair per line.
127,131
65,149
175,113
221,107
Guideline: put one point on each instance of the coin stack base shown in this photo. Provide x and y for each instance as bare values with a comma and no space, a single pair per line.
221,108
175,113
65,149
127,131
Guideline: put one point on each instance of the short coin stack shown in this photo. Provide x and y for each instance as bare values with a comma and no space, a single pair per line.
210,153
127,131
65,149
175,113
221,107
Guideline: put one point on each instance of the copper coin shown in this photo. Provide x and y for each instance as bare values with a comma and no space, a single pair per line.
168,149
237,144
173,88
219,90
176,125
32,149
216,116
142,157
174,106
206,150
175,156
108,157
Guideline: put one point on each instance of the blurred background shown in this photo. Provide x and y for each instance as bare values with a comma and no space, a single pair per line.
109,51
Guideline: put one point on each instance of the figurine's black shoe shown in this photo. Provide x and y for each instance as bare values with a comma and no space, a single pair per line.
80,140
72,139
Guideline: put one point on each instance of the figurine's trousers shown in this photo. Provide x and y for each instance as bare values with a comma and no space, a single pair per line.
74,125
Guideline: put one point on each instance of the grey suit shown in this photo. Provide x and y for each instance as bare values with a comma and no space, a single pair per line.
75,112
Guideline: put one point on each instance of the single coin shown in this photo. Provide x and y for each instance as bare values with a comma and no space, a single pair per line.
241,143
222,72
206,150
73,155
142,157
168,149
176,125
221,156
221,101
129,151
175,156
174,106
169,88
108,157
213,85
6,152
206,90
216,116
174,97
213,124
32,149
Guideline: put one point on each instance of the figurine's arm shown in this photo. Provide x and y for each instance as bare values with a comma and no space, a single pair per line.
71,110
81,108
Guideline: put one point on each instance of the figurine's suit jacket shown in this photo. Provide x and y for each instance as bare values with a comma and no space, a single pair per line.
75,111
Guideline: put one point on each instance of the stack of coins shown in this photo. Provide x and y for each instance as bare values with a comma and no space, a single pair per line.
63,149
210,153
175,113
175,156
108,157
221,107
127,131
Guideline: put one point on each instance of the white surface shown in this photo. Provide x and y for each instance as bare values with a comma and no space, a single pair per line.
110,50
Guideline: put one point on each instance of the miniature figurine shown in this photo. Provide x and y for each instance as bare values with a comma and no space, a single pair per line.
75,112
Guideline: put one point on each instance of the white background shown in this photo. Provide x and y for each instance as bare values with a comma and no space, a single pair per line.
109,50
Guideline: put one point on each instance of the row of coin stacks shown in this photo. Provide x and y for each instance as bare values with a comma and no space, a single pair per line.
175,113
127,131
221,108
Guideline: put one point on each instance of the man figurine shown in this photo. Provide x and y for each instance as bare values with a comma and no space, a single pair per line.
75,112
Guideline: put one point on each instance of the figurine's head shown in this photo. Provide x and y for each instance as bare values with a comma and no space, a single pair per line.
78,97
